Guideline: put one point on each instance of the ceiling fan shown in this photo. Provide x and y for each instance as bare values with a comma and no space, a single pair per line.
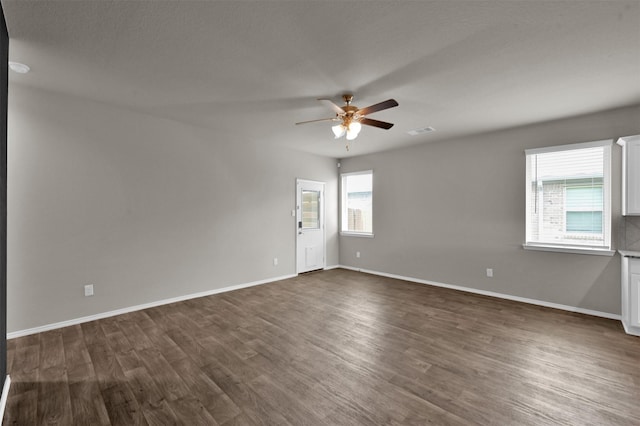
351,117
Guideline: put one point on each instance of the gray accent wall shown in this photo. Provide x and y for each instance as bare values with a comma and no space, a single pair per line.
447,211
143,208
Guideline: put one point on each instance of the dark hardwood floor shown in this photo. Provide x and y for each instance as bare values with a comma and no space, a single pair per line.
330,348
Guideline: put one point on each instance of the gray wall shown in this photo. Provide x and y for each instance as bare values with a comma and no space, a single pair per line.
148,209
446,211
143,208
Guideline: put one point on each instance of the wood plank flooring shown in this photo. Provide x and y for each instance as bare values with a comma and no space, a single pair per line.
330,348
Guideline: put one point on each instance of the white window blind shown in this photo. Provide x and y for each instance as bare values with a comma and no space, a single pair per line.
568,196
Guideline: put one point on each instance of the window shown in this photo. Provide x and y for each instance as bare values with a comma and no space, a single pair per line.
357,203
568,198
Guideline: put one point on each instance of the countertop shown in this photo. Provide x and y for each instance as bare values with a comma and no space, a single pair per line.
629,253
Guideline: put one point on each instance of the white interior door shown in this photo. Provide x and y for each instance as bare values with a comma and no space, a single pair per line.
310,246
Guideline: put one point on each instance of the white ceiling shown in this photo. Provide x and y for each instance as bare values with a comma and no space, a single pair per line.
251,69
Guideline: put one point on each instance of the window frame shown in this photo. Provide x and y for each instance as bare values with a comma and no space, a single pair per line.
606,248
344,207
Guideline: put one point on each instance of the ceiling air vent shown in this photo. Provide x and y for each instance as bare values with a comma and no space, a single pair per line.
421,130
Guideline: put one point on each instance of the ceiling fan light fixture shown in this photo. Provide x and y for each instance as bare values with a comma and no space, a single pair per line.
353,130
339,130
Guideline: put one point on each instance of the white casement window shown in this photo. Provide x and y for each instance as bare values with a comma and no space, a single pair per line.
357,203
569,198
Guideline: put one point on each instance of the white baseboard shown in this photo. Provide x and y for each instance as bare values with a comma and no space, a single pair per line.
101,315
492,294
5,395
634,331
332,267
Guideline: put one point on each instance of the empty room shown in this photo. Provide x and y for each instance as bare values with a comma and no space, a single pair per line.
312,212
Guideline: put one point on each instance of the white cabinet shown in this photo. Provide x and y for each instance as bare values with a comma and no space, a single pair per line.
631,295
634,302
630,175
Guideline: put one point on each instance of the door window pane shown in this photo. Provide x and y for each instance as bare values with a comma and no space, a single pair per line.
310,209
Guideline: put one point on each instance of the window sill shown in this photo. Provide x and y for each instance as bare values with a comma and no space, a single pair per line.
356,234
570,249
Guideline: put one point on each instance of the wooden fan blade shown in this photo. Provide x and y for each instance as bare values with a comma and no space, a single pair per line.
389,103
330,104
321,119
376,123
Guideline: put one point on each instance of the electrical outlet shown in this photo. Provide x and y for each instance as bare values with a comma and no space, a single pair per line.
275,261
358,254
490,272
88,290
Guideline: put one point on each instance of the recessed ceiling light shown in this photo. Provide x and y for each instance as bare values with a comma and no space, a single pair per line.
19,68
421,130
